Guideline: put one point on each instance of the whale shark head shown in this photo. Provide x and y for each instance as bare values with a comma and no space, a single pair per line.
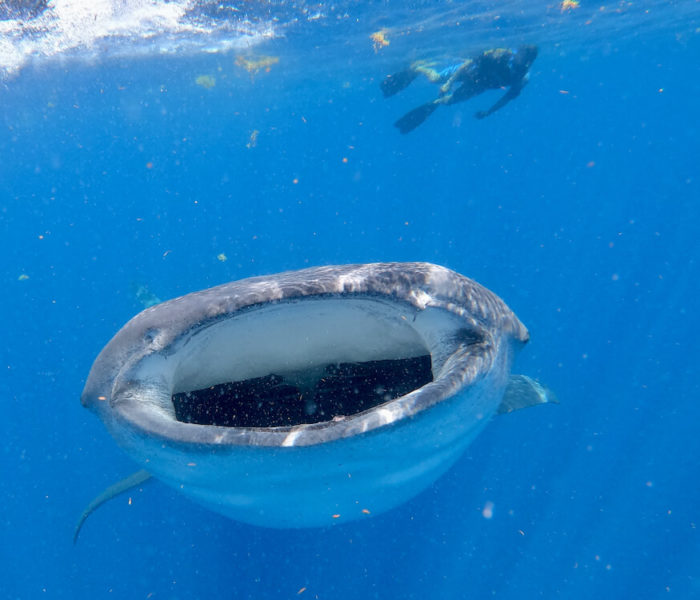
308,397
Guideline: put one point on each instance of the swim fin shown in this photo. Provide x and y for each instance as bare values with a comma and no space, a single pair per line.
412,119
393,84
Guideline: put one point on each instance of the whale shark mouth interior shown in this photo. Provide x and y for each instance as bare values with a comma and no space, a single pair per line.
303,362
271,401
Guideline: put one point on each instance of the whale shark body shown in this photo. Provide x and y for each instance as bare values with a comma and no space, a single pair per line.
310,397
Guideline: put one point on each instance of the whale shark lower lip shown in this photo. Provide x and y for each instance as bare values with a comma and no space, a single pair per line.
313,396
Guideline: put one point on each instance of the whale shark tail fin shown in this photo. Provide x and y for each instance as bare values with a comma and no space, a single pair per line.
128,483
522,391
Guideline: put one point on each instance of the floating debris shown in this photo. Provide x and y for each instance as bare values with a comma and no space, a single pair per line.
253,139
253,64
206,81
379,40
144,295
569,5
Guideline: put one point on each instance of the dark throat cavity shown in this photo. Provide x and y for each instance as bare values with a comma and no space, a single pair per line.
343,389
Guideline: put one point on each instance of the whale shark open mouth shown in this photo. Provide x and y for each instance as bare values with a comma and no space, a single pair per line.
301,362
302,398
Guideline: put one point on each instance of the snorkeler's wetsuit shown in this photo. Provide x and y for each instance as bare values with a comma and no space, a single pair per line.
492,69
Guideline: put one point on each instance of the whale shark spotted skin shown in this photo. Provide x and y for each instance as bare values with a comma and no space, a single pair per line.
310,397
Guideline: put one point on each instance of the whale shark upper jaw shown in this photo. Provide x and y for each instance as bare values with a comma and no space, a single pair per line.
308,397
294,372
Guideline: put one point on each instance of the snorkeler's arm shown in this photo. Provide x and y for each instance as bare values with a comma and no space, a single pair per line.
512,93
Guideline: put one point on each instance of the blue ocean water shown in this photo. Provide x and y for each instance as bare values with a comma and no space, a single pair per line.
577,203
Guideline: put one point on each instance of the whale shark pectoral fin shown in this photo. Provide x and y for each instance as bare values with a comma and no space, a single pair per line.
112,491
522,391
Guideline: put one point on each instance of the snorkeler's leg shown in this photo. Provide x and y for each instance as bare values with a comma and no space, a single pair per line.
426,68
465,91
412,119
393,84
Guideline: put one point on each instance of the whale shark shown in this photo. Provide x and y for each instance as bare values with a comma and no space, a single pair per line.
310,397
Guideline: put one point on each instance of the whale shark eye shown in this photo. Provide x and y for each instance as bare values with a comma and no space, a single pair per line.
150,335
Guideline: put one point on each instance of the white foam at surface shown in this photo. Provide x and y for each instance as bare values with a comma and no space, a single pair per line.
104,28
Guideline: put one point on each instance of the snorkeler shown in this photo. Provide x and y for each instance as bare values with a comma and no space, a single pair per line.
490,70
